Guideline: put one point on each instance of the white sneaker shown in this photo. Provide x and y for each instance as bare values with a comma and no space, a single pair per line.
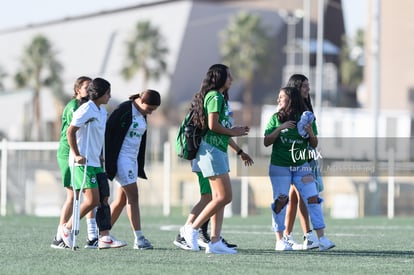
282,245
142,243
219,248
110,242
181,243
203,238
66,235
58,244
289,239
191,236
92,244
310,241
325,243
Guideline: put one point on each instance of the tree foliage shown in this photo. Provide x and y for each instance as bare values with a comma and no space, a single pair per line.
244,48
245,44
145,53
352,60
39,68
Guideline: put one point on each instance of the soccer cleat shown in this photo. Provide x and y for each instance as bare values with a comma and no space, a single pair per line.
310,241
66,235
190,235
229,245
290,241
58,244
91,244
219,248
283,245
325,243
181,243
110,242
142,243
203,238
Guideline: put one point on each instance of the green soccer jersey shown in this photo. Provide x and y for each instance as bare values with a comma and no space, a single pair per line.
289,148
213,103
63,150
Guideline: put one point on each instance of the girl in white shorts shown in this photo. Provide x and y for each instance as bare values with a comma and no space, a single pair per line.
125,139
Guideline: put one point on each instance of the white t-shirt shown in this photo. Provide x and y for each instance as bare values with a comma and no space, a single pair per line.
132,140
127,172
89,116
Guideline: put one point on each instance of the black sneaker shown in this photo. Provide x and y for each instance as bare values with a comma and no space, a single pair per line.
91,244
181,243
58,244
229,245
203,238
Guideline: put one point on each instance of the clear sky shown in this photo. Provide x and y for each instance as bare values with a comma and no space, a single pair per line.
17,13
355,14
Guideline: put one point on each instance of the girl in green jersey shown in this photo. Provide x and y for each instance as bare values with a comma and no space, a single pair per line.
211,113
289,163
80,96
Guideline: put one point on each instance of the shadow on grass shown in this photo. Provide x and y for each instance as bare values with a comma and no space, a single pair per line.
371,253
336,252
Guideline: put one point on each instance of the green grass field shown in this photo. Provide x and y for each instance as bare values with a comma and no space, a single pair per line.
364,246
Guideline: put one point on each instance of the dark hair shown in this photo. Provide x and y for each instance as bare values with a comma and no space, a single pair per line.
295,107
98,87
78,84
296,81
215,79
150,97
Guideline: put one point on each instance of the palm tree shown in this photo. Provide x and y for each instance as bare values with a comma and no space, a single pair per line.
145,53
351,69
39,69
244,48
352,60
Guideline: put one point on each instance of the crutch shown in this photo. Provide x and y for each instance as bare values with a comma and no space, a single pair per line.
77,195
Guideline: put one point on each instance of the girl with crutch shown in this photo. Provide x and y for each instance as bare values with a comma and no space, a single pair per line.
80,96
91,117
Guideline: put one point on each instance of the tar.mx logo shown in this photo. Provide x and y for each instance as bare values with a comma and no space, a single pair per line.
303,154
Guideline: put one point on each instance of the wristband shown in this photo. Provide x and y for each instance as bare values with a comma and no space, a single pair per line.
239,152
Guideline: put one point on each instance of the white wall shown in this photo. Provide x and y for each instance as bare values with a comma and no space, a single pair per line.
81,45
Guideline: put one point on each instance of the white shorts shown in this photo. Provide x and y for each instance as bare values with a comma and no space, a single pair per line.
127,171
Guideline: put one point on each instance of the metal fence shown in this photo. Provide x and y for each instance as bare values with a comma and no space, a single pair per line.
31,181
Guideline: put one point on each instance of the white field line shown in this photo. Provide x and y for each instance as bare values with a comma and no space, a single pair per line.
343,232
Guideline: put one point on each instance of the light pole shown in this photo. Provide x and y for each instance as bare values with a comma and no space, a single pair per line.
306,37
290,19
319,57
375,93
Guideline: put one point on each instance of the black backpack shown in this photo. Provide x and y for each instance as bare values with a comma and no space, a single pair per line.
188,138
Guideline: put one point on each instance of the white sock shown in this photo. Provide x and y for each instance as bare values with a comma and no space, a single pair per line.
138,233
92,229
58,237
106,238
